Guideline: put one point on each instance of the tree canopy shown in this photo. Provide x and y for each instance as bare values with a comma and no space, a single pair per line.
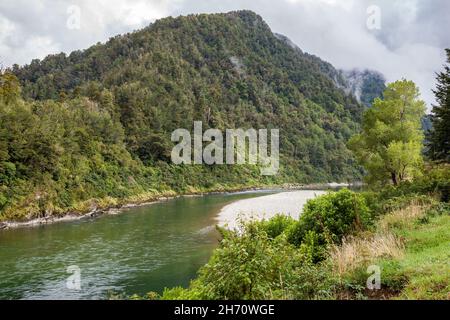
439,137
97,123
390,145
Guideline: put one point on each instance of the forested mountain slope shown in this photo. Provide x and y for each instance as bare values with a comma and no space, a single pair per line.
97,123
365,85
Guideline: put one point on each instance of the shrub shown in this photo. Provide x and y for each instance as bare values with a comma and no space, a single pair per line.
246,266
277,225
435,181
439,209
251,265
178,293
327,219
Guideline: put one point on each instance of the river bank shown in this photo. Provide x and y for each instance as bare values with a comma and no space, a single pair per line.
112,206
264,208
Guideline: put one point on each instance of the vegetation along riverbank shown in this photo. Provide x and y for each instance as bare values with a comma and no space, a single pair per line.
388,242
327,253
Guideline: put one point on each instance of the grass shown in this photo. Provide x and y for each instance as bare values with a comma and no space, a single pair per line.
403,218
356,251
426,264
412,248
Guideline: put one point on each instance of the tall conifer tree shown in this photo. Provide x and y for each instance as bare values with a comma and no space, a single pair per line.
439,137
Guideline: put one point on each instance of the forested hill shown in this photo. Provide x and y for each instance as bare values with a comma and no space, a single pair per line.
365,85
126,96
205,46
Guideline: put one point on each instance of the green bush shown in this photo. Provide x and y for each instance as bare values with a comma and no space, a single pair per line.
439,209
277,225
435,181
432,187
249,264
327,219
178,293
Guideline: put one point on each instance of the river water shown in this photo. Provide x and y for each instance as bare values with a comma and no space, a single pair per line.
139,250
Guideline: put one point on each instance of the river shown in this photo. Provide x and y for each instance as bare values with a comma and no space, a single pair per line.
139,250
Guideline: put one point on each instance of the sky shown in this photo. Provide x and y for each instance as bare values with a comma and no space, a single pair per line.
399,38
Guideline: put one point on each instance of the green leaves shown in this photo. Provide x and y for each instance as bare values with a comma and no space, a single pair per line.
9,87
327,219
389,147
280,258
439,137
222,69
251,265
115,105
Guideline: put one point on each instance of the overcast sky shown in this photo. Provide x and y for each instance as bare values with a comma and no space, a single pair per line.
407,40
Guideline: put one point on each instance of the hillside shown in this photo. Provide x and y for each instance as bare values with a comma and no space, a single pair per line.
365,85
97,123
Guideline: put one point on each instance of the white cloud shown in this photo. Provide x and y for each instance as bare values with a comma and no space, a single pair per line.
410,43
38,46
34,29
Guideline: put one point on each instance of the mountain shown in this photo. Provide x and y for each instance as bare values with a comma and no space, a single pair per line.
365,85
326,68
121,100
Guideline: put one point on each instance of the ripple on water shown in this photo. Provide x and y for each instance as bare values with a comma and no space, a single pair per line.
145,249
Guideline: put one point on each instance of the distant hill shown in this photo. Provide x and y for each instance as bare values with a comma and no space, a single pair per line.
227,70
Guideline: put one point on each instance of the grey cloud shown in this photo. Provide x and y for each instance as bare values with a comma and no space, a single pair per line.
410,43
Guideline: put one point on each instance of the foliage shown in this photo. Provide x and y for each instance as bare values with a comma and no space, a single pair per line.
276,225
9,87
327,219
439,137
55,154
251,265
390,144
153,84
432,186
97,123
325,254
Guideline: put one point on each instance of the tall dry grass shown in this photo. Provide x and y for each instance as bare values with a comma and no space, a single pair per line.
357,251
403,217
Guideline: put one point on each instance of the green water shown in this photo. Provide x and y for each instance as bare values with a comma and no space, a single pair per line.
139,250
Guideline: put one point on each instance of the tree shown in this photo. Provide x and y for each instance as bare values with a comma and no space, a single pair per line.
390,144
9,87
439,136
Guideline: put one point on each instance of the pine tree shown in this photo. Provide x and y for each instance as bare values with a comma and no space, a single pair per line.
439,137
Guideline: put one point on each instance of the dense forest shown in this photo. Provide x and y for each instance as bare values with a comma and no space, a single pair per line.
93,128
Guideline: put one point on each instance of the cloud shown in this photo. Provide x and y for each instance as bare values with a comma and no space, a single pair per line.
409,44
35,29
